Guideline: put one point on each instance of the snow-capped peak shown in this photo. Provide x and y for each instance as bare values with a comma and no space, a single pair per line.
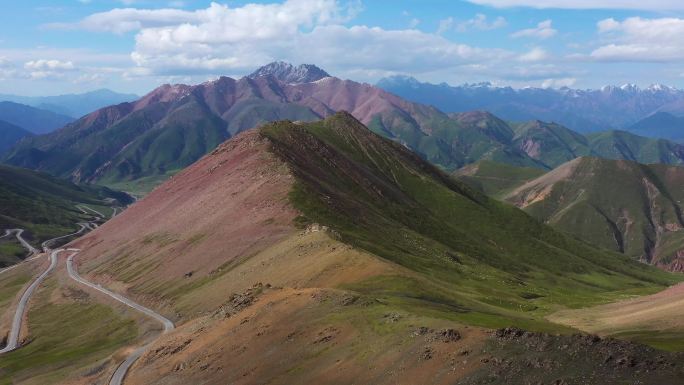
287,73
629,87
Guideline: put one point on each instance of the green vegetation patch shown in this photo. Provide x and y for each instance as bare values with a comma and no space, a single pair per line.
63,337
476,254
46,206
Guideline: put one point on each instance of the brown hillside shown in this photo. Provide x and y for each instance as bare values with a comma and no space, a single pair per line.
229,204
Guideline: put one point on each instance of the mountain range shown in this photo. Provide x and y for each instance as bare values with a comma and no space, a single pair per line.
35,120
175,125
610,107
297,242
72,105
336,241
619,205
18,121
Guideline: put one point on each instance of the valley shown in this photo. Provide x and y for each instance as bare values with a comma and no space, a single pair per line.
322,244
292,227
335,192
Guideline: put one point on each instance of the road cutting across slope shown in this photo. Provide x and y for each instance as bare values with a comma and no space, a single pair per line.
13,338
83,226
122,369
18,233
15,329
32,250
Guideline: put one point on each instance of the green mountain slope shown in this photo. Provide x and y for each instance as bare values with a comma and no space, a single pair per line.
551,145
482,136
619,205
382,198
45,206
494,178
624,145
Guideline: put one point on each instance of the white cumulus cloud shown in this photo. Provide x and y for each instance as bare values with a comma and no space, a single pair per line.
122,20
221,38
49,65
641,40
479,22
534,55
260,19
44,68
445,25
482,23
652,5
543,30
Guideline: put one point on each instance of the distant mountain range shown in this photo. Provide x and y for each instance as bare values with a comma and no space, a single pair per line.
18,121
72,105
174,125
35,120
610,107
619,205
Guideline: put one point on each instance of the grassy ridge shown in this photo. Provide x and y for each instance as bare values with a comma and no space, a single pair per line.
622,206
482,261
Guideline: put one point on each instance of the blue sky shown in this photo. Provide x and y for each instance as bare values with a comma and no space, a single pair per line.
53,47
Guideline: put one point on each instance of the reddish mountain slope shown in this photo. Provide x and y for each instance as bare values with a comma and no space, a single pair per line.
175,125
228,204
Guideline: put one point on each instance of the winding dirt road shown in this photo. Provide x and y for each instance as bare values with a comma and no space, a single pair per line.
46,245
15,330
18,233
32,250
13,338
121,370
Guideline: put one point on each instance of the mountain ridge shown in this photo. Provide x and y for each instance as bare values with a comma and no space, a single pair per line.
174,125
335,240
288,73
35,120
223,108
610,107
